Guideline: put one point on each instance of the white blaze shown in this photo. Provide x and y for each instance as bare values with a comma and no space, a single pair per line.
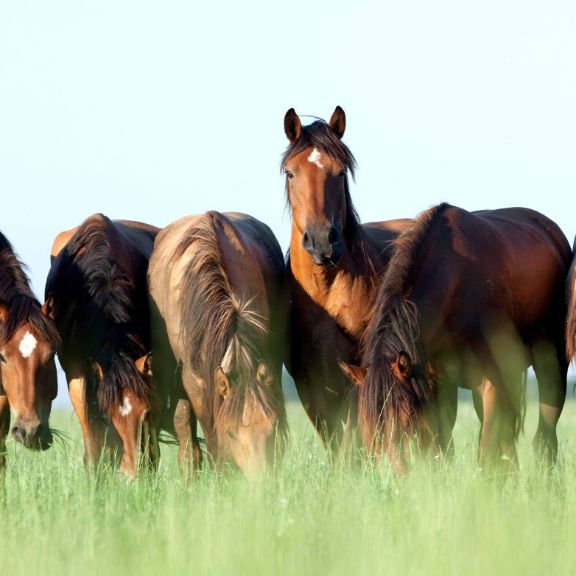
27,345
126,407
315,157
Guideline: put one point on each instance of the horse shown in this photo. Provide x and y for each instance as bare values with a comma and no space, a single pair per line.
571,319
470,299
97,295
217,303
28,342
335,264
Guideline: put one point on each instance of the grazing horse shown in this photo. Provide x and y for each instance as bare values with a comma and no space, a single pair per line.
571,323
218,331
335,265
96,292
28,342
469,299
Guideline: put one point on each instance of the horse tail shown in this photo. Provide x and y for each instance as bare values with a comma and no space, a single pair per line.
571,319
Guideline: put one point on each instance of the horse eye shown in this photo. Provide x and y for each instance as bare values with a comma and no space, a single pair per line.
342,174
2,359
289,174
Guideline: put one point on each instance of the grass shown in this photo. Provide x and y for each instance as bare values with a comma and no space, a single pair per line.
311,517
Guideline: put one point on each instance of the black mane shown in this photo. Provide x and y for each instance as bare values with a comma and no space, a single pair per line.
101,310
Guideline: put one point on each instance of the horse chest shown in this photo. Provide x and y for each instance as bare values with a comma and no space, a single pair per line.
346,301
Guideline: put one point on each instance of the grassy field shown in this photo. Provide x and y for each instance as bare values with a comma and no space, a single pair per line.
311,517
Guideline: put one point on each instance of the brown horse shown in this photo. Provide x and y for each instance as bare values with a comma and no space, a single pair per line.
334,268
28,341
571,323
470,299
218,329
96,292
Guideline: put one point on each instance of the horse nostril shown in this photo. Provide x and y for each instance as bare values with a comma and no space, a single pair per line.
19,433
333,235
306,240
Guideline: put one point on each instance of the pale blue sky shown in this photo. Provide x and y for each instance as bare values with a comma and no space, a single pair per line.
153,110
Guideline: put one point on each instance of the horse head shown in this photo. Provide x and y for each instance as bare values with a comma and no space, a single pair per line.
251,420
28,376
124,390
316,165
393,395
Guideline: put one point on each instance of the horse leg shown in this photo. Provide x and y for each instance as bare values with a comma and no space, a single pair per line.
447,402
185,426
551,369
190,412
93,432
4,428
496,447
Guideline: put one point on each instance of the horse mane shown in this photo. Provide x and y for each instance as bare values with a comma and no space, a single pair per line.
386,403
17,299
319,135
216,320
105,294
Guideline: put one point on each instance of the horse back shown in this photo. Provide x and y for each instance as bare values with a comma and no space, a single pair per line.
510,263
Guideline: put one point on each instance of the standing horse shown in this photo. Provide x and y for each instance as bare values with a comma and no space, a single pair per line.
96,293
469,299
571,323
334,268
28,341
218,329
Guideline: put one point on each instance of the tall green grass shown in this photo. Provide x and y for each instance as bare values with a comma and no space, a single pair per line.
311,517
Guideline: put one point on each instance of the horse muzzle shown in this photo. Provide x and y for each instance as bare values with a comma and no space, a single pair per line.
323,244
32,436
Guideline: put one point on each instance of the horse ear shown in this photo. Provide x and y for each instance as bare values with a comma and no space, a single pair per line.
338,121
222,382
144,364
97,370
402,366
292,125
264,374
355,374
49,307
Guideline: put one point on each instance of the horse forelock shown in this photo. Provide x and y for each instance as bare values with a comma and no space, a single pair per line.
17,299
120,374
319,135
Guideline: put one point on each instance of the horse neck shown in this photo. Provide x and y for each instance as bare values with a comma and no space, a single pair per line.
346,291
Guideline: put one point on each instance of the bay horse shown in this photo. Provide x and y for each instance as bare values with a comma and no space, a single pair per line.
470,299
571,322
216,284
334,267
96,293
28,342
